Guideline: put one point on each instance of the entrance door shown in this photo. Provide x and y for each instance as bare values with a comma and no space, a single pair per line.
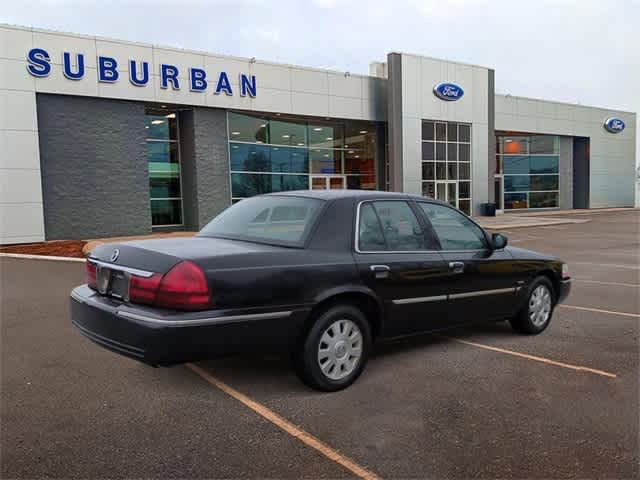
327,182
447,191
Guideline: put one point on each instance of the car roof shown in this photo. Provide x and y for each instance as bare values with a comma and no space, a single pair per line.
357,194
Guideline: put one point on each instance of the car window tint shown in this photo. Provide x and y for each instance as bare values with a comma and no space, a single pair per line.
272,219
400,226
454,230
370,236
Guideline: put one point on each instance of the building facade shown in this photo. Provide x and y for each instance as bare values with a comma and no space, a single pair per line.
101,137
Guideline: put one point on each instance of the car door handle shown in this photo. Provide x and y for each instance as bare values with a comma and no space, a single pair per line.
456,267
380,271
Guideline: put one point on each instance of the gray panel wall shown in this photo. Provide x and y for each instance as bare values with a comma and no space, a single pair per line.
394,116
491,111
205,165
95,180
566,172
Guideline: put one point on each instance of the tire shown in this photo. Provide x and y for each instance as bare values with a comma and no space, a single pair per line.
340,336
536,314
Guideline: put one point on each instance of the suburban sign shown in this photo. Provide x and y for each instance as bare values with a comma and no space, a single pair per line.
448,91
109,71
614,125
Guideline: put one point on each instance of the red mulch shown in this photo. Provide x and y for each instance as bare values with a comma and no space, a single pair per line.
56,248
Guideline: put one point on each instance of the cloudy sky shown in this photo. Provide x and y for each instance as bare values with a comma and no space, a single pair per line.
585,51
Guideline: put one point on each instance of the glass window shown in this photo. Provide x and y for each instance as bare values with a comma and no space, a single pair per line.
247,157
515,164
544,144
465,189
370,236
166,212
289,160
515,201
441,132
516,183
163,160
452,171
429,189
246,128
441,171
250,184
464,152
453,229
464,171
452,152
288,133
325,161
464,133
160,126
427,131
328,136
288,220
514,145
544,182
441,151
355,161
452,132
428,151
465,206
543,200
400,226
428,171
543,164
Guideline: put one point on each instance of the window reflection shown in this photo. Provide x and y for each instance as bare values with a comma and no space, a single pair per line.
263,146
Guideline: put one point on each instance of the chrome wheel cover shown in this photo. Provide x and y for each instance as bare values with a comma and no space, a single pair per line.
540,306
340,349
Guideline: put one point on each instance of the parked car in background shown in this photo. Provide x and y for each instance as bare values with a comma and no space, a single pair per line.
321,274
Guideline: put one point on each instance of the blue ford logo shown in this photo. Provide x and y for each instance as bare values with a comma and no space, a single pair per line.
614,125
448,91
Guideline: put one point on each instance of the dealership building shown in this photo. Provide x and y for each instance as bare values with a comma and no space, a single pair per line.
102,137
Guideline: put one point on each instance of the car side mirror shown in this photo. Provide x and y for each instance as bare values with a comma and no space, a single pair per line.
498,241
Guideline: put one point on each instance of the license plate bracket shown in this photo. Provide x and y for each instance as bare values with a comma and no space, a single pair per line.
114,283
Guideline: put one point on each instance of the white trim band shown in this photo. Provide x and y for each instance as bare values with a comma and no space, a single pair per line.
203,321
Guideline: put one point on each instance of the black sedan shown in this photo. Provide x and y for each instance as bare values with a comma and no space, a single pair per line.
322,274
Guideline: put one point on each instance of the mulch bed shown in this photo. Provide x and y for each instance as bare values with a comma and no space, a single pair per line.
57,248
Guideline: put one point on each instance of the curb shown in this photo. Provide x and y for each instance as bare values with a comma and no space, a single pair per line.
25,256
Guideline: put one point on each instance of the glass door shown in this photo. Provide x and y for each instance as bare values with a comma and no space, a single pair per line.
447,191
327,182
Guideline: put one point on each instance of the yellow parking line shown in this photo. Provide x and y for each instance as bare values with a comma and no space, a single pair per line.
597,310
286,426
534,358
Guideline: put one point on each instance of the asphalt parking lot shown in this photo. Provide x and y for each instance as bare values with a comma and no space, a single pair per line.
481,402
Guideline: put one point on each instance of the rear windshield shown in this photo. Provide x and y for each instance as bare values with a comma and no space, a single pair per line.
269,219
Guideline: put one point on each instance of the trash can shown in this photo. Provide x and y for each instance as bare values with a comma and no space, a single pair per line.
488,209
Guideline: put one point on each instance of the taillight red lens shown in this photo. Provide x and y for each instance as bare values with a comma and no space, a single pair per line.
144,290
92,271
184,287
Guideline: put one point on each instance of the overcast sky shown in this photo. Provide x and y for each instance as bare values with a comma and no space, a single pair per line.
585,51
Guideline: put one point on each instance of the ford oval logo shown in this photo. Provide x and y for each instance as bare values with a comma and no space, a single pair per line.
614,125
448,91
115,255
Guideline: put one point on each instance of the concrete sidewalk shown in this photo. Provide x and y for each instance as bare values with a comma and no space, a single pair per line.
512,221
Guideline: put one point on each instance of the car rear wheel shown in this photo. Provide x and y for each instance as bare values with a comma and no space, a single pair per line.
536,314
335,350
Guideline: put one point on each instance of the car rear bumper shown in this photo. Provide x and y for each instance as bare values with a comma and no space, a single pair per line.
159,337
565,289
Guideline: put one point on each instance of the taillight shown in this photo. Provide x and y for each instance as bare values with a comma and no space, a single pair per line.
92,271
144,289
184,287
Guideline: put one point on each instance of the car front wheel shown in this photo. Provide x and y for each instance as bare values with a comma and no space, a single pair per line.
536,314
335,350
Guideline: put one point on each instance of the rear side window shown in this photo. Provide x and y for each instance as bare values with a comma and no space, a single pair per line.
389,226
454,230
269,219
